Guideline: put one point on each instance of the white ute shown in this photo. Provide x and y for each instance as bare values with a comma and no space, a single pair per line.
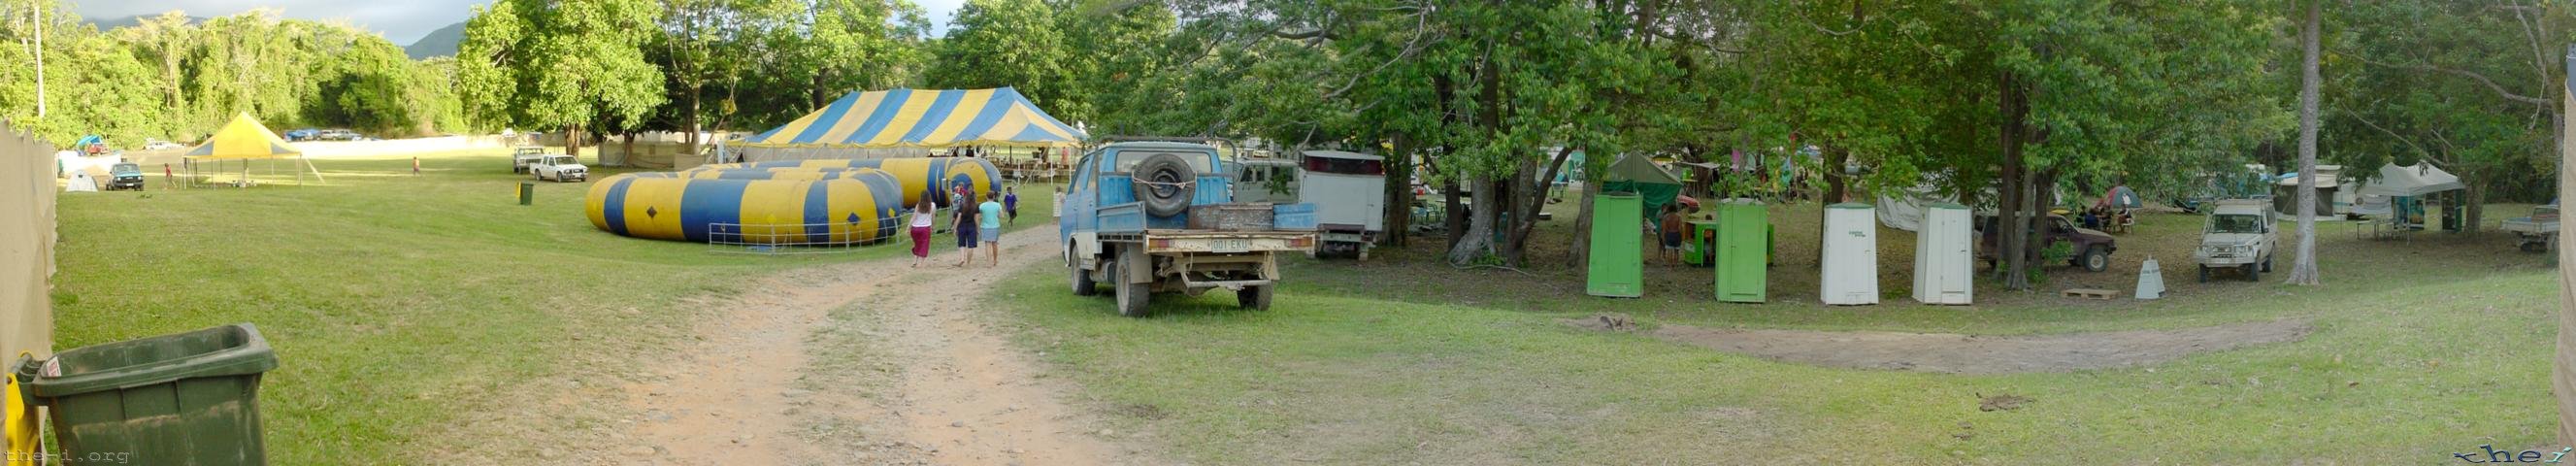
559,167
2239,235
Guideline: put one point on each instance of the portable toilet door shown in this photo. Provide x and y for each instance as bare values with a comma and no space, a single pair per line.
1617,265
1944,262
1743,251
1850,255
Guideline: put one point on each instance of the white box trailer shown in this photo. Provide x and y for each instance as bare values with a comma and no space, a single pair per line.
1349,193
1945,257
1850,254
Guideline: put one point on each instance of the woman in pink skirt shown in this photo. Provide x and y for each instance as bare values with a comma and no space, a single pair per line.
921,218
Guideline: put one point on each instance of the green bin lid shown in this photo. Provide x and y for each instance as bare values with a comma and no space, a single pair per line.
228,350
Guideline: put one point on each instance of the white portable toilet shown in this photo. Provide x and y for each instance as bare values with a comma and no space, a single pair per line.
2151,280
1851,254
1944,261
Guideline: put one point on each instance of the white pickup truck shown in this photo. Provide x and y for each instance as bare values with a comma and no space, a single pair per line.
559,167
2239,235
2536,232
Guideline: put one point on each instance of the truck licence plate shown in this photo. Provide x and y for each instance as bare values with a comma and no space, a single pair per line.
1231,245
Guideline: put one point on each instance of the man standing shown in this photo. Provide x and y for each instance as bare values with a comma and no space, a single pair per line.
991,223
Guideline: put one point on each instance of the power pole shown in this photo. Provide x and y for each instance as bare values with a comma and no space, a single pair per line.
40,61
2563,377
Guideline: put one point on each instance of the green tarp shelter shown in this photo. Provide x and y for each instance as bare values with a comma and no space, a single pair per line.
1637,174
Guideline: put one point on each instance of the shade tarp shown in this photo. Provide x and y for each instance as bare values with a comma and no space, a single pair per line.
1634,174
922,118
243,138
2411,181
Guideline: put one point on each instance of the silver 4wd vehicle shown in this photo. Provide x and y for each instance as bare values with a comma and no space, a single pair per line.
2239,236
559,167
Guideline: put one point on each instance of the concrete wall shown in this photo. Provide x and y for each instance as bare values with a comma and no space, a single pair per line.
26,244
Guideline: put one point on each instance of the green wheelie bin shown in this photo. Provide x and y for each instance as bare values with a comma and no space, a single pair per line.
180,399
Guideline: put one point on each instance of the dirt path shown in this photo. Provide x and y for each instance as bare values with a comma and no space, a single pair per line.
953,391
1975,354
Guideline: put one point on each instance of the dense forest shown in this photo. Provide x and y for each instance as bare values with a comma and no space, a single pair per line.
1998,99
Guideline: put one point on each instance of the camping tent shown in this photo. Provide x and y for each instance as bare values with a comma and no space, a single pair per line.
907,123
2414,181
245,139
1637,174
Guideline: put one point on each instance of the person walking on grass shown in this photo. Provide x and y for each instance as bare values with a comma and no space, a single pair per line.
1010,205
965,224
921,220
991,223
1672,226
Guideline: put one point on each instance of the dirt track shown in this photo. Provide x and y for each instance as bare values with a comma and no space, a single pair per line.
936,386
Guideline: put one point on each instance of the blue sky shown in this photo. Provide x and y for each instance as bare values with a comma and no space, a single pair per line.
400,21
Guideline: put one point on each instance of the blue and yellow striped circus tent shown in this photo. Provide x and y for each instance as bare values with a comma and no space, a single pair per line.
911,118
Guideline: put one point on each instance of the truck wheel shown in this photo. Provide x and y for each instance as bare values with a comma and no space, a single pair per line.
2267,264
2253,273
1254,297
2204,274
2535,246
1082,284
1132,297
2096,259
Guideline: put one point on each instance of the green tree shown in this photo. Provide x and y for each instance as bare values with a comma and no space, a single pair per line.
1005,43
561,64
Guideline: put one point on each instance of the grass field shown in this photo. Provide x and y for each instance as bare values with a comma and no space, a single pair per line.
2420,349
418,319
430,319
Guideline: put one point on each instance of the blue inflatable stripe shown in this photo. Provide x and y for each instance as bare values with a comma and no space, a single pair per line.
614,207
705,203
818,213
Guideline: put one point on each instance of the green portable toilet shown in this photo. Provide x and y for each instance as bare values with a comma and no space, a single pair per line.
1618,266
1743,248
1701,248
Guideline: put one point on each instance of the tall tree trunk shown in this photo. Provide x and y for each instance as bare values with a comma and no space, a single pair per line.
2473,204
2563,372
2043,197
2304,271
2011,213
1455,223
1583,227
1399,193
1478,240
572,141
696,122
1837,181
1531,198
628,156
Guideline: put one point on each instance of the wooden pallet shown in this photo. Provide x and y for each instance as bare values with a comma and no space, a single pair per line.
2092,293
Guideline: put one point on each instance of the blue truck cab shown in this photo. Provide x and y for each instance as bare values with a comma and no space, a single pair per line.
1159,216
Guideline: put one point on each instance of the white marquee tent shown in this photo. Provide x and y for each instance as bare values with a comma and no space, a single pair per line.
2414,181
